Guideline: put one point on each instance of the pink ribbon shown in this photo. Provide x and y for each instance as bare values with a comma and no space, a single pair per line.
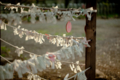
51,56
86,42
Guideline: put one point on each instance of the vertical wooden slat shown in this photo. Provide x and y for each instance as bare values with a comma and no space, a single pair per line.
90,53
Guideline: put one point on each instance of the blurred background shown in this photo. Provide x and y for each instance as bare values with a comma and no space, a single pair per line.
107,37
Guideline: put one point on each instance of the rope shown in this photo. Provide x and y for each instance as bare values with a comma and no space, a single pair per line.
11,62
20,6
6,59
49,34
15,46
34,53
76,74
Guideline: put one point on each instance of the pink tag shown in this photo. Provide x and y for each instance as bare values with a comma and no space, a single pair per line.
47,35
51,57
68,26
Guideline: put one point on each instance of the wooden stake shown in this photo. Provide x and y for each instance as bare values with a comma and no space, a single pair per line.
90,53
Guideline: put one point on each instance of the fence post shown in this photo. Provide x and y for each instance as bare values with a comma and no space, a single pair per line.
90,53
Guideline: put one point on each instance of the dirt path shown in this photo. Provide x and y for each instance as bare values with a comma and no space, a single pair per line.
108,42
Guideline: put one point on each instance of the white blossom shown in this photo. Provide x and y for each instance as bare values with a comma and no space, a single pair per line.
32,76
3,25
19,51
66,77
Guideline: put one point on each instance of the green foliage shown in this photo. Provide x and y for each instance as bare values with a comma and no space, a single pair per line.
23,57
28,19
105,3
43,31
113,16
5,51
69,34
61,34
83,34
3,55
109,16
37,18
